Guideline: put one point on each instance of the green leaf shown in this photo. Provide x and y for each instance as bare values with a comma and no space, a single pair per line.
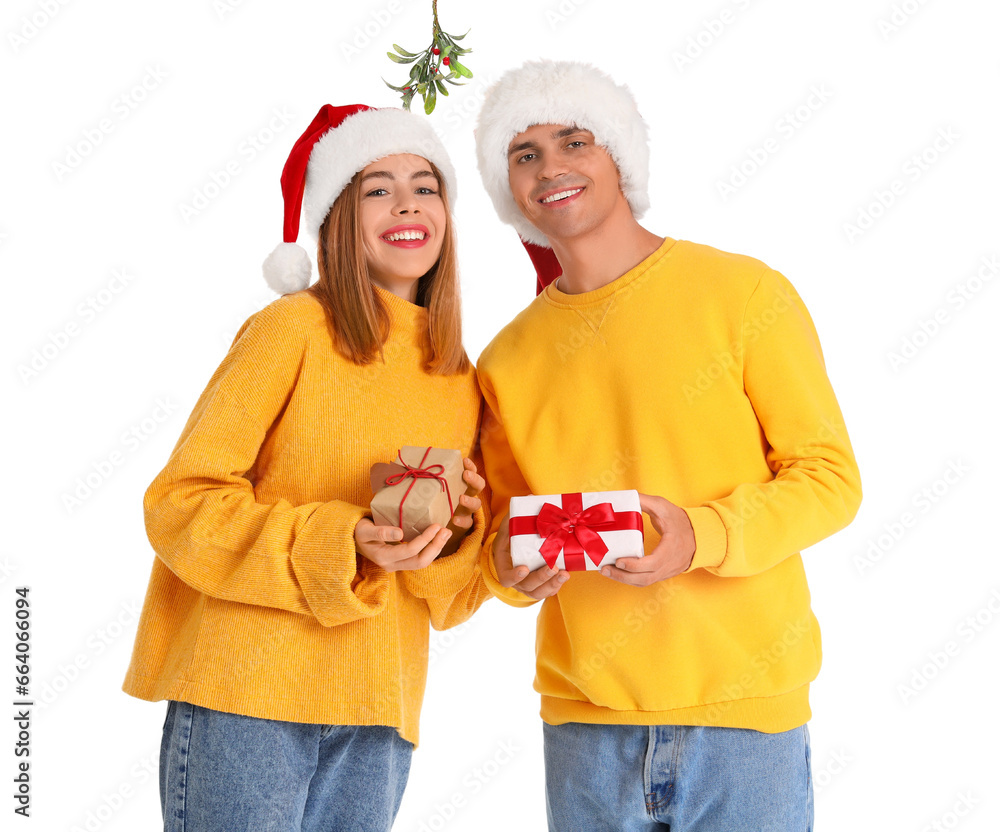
392,87
441,87
430,99
399,60
461,70
460,37
403,52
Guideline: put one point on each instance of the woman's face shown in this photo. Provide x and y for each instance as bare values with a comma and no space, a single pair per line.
403,220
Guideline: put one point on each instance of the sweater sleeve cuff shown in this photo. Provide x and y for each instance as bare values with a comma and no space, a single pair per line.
338,585
508,595
710,537
447,576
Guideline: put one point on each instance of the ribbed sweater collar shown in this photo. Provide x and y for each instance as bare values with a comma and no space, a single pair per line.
554,296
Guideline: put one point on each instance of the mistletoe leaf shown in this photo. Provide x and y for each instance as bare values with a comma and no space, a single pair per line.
400,60
465,72
404,53
430,99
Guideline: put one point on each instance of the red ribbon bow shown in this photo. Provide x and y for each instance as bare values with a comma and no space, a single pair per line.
431,472
574,530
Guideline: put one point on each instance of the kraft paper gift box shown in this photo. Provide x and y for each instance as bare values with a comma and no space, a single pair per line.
419,489
576,531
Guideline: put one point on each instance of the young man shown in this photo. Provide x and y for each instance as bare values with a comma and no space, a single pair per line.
675,687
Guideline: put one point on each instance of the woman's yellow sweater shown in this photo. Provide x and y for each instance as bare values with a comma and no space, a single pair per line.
258,603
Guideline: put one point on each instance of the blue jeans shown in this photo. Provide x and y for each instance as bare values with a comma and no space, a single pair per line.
641,778
228,773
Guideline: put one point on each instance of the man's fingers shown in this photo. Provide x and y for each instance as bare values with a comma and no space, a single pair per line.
646,564
546,588
510,577
633,579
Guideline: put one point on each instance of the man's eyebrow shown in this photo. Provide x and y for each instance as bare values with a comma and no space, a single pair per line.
569,131
559,134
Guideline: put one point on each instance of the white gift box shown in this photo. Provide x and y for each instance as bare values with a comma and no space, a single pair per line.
575,531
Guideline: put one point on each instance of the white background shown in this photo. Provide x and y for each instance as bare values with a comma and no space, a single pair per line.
84,385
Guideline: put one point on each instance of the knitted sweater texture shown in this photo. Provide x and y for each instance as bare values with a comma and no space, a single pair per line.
258,603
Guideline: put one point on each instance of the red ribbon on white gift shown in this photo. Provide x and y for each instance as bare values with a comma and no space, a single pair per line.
571,529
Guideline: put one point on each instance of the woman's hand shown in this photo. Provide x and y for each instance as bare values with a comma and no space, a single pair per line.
382,545
469,502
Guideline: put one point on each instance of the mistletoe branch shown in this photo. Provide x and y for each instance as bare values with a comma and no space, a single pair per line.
426,77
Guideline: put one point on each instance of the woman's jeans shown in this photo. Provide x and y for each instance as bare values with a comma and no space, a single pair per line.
227,773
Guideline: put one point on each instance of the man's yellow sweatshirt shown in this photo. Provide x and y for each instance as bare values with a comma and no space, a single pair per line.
258,603
697,376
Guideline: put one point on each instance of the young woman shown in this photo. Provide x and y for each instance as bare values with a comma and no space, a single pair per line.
288,632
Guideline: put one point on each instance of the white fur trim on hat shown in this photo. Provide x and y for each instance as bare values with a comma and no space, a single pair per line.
560,92
361,139
288,269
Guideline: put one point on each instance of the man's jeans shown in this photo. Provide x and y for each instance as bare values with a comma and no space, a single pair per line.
227,773
629,778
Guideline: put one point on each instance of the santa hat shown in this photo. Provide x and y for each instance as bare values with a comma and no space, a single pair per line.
338,143
559,92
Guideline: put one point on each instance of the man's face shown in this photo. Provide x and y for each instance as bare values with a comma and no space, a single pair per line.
563,182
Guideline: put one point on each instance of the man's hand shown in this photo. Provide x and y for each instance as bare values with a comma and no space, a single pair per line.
380,544
671,556
539,584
